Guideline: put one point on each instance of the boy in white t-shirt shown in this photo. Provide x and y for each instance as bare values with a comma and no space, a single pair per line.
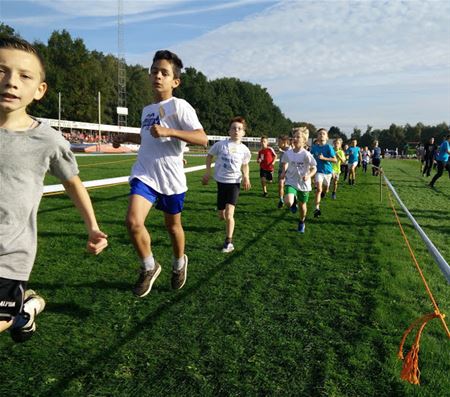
232,167
299,166
157,178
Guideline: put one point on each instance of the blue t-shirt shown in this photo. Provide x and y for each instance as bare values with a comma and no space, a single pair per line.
323,167
443,151
353,154
376,152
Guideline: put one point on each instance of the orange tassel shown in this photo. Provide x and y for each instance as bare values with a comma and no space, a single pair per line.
410,371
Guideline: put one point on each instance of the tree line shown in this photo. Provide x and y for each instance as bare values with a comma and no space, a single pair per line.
79,74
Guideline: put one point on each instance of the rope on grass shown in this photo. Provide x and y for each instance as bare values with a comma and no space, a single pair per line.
410,370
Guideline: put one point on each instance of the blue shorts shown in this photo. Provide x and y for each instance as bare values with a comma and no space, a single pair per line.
170,204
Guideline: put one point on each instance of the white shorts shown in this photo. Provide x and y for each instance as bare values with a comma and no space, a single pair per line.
353,165
323,179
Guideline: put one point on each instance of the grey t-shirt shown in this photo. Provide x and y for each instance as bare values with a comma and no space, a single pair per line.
25,157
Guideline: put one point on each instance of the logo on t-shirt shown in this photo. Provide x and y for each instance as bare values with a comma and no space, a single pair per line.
150,120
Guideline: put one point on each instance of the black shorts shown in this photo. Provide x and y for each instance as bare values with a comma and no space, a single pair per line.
266,174
227,193
376,162
11,298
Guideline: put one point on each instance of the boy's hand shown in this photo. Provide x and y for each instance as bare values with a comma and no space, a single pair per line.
306,177
282,175
321,157
246,183
158,132
96,242
205,179
117,140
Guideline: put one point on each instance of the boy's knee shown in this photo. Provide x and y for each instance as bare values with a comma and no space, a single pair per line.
133,224
174,229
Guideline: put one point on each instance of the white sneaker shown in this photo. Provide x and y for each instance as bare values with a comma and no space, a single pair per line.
227,248
33,305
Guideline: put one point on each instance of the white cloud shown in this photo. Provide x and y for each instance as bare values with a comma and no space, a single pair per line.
105,8
301,46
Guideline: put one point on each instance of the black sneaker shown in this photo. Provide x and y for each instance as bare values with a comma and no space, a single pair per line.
317,213
265,194
145,281
33,305
301,227
280,203
293,208
179,276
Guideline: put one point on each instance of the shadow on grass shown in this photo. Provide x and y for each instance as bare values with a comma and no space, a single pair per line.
148,322
69,309
65,207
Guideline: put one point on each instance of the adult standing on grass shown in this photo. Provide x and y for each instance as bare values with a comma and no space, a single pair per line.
232,167
442,160
354,157
157,178
376,159
428,156
28,149
299,167
324,155
266,159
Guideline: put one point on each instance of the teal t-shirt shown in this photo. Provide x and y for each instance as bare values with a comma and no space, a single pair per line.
443,151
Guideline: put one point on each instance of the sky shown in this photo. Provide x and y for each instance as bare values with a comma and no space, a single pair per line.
336,62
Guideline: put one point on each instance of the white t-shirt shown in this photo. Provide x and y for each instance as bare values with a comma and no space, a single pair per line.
299,164
230,157
159,162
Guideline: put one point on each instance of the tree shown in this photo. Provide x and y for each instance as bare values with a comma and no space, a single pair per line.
6,30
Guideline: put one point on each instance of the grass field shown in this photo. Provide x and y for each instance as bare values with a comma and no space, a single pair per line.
319,314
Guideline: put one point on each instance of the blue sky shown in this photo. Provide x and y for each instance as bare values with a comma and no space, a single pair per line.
336,62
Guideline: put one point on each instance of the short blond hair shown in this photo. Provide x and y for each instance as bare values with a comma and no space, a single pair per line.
303,131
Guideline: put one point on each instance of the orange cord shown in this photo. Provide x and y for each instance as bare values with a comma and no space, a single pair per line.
410,371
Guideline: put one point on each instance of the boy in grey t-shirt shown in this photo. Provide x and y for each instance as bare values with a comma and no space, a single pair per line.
28,149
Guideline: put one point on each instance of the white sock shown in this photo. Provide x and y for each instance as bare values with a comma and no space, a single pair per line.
178,263
148,263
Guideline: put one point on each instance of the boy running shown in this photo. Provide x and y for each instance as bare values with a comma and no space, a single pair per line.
28,150
442,160
376,159
340,157
298,168
232,157
284,144
324,155
266,159
157,178
353,157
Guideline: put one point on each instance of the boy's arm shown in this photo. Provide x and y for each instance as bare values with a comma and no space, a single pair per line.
194,137
78,194
330,159
246,176
284,167
342,159
274,157
122,138
208,162
312,172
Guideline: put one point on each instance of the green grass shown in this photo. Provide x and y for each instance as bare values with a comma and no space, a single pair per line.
319,314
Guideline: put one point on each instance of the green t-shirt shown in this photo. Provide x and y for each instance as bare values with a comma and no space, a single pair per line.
337,166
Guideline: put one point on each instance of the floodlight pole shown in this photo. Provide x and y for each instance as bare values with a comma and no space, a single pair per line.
59,111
